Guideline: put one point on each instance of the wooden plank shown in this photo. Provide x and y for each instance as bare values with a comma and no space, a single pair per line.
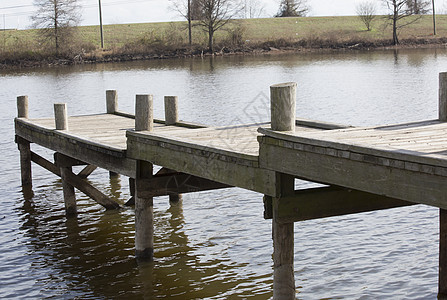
429,159
179,183
105,158
197,161
326,202
389,181
84,173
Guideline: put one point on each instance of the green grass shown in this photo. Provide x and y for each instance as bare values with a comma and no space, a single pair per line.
169,36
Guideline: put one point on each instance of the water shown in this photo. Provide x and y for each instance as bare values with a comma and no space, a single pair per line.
216,245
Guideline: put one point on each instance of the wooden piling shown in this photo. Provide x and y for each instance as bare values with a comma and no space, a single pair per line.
443,96
171,118
112,101
22,107
69,192
61,120
144,206
283,245
283,103
144,114
442,279
24,146
171,110
60,116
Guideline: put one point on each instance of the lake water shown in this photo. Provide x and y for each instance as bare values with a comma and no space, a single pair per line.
216,245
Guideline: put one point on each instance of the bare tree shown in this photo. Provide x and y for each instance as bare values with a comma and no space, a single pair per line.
253,9
418,7
292,8
367,13
56,18
398,16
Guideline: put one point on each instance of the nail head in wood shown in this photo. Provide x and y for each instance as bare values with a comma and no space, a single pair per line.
283,105
60,115
144,114
443,96
22,107
171,110
112,101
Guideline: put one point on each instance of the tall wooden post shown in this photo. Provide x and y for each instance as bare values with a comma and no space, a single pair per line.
111,101
171,118
283,103
24,146
442,279
61,120
144,206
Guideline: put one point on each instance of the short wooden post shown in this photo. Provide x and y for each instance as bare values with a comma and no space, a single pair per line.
175,199
283,105
443,97
171,110
144,205
60,116
112,101
22,107
24,146
113,174
144,114
442,279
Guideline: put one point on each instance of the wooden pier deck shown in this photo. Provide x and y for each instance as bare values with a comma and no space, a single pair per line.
364,169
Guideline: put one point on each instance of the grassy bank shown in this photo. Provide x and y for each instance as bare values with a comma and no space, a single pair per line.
161,40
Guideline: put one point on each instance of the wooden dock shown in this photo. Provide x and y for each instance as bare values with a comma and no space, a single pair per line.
363,169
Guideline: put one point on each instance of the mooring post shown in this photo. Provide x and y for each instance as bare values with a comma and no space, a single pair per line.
283,103
442,278
443,96
171,118
144,205
24,146
111,101
61,121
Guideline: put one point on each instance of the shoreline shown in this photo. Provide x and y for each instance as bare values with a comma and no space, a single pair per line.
277,47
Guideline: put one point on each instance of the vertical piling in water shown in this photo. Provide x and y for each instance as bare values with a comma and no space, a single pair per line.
24,146
442,278
61,121
283,103
172,118
111,101
144,206
443,97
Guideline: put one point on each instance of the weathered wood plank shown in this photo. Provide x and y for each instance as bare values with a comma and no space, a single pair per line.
178,183
325,202
360,175
228,168
106,158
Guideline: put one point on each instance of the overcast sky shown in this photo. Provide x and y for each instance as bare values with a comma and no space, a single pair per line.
16,13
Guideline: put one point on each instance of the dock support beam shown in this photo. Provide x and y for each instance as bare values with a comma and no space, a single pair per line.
283,105
172,118
144,206
24,146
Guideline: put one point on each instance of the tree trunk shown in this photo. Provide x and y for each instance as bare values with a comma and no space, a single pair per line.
211,39
395,17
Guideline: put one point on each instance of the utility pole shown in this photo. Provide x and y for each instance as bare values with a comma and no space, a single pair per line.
100,25
434,17
189,23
